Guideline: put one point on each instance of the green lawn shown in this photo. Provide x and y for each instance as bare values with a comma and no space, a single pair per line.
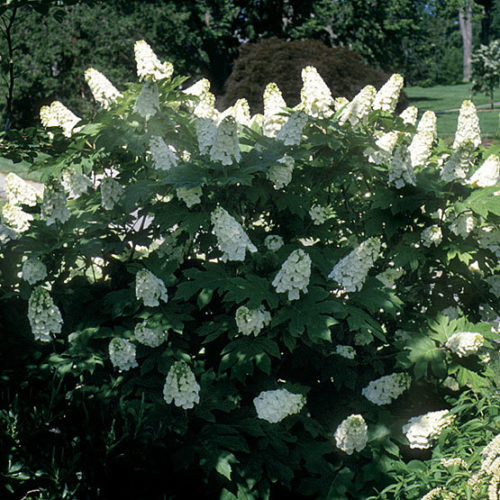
446,97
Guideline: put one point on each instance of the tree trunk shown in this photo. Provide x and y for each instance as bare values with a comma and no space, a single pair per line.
465,18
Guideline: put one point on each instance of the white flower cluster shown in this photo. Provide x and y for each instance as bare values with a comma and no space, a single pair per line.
149,66
163,156
149,288
352,434
465,343
351,271
462,225
190,197
6,234
431,235
273,108
409,115
384,390
294,275
149,336
422,430
18,191
206,131
315,96
488,238
291,132
357,110
33,270
456,166
231,237
54,204
75,183
102,89
44,316
281,175
318,214
226,147
111,192
273,242
488,174
387,97
15,218
420,148
251,321
274,406
181,386
148,101
490,466
240,111
58,115
401,169
389,277
385,144
468,133
346,351
122,354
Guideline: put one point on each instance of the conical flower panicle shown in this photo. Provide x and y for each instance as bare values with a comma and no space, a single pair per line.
19,192
102,89
409,115
15,218
468,133
44,316
357,110
276,405
291,132
226,147
122,354
488,174
401,169
54,204
181,387
58,115
294,275
148,101
163,156
149,67
352,434
149,288
274,106
387,97
315,96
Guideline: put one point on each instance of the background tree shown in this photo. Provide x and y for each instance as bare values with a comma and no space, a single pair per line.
486,69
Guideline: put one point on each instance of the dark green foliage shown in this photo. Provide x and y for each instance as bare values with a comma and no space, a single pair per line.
279,61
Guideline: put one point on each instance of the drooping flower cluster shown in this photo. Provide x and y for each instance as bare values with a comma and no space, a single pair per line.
251,321
231,237
181,386
19,192
352,434
431,235
346,351
190,197
149,288
318,214
15,218
75,183
421,431
33,270
149,67
291,132
294,275
111,192
281,175
54,204
163,156
488,174
384,390
226,147
122,354
315,96
401,169
274,105
465,343
387,97
149,336
274,406
102,89
148,101
58,115
273,242
44,316
351,271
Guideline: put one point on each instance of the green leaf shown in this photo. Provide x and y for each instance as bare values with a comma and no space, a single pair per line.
223,466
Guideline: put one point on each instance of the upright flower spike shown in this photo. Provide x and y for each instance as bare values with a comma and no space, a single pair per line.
291,132
149,288
351,271
181,387
149,67
352,434
19,192
488,174
409,115
44,316
226,147
274,406
385,144
357,110
231,237
421,148
315,96
428,123
401,170
102,89
58,115
148,101
387,97
457,165
274,105
294,275
15,218
163,156
206,132
204,107
468,133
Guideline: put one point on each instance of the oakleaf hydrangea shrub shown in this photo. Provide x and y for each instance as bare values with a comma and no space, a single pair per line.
293,299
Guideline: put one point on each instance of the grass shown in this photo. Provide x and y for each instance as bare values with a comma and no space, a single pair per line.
443,98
